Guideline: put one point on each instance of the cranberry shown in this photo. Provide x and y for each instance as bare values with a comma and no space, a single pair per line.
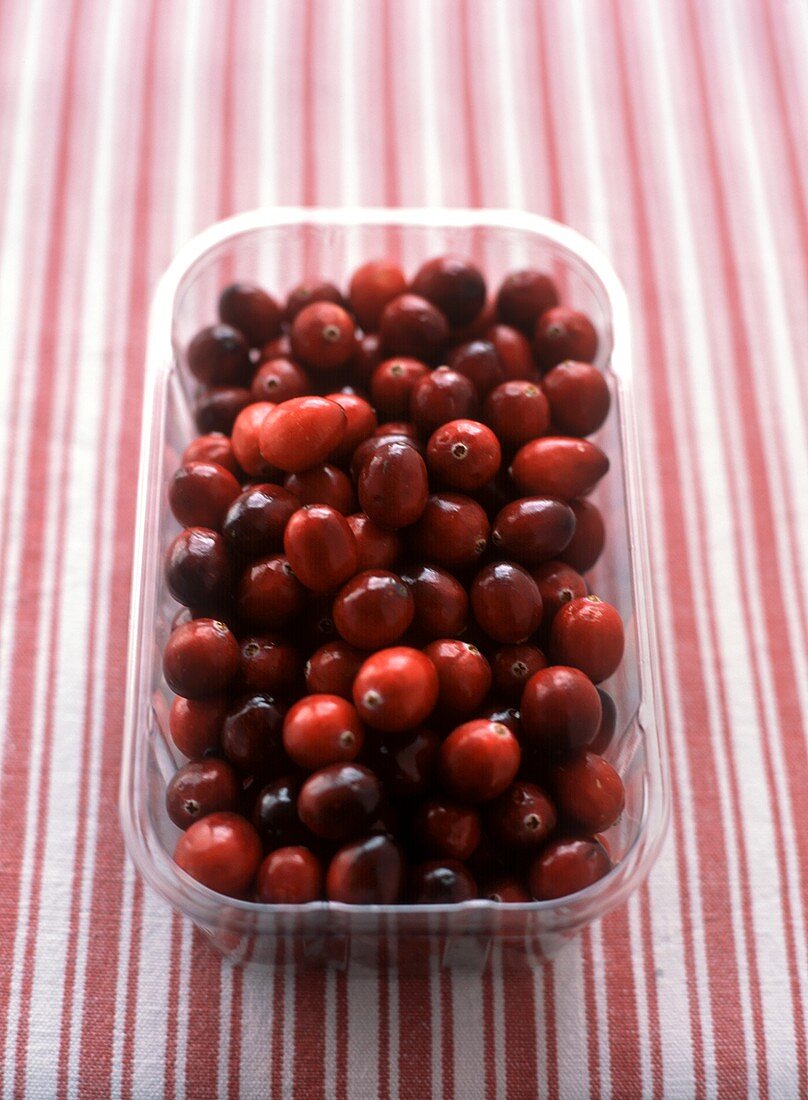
222,851
320,547
332,669
393,485
454,285
196,724
504,715
373,285
589,791
558,467
396,689
476,329
200,494
269,663
302,433
441,603
507,890
369,447
463,454
407,764
198,569
439,397
558,584
533,529
402,429
392,384
560,709
479,362
522,817
511,668
376,548
340,801
246,440
479,760
279,348
201,787
213,447
252,311
563,333
444,828
515,353
367,356
200,658
518,412
374,609
290,876
588,634
219,356
464,676
608,723
567,866
274,814
316,627
321,730
306,294
587,543
412,326
252,735
216,410
441,882
366,872
524,296
323,336
506,602
579,397
279,380
256,520
360,423
453,531
269,594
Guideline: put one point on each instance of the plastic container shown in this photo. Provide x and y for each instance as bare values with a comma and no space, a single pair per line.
279,248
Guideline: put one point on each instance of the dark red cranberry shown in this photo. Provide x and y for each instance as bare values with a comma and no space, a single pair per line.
374,609
252,735
332,669
479,760
200,658
578,395
522,817
196,724
608,724
367,356
476,329
376,548
393,485
396,689
256,520
446,829
219,356
523,297
507,890
269,594
320,547
441,396
533,529
453,531
558,583
464,676
563,333
246,440
587,543
313,290
322,729
556,466
369,447
402,429
252,311
323,336
279,380
412,326
495,494
506,602
511,668
392,384
588,634
441,603
479,362
269,663
213,447
406,764
340,801
589,791
366,872
215,410
567,866
201,787
560,710
274,813
198,569
441,882
518,412
463,455
373,285
200,494
515,353
454,285
279,348
302,433
360,424
222,851
290,876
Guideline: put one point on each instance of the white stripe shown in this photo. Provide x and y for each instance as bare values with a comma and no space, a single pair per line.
468,1033
122,979
288,1061
570,1022
601,1007
187,159
330,1035
498,979
151,1003
429,148
436,1020
542,1054
392,1010
184,1008
225,1004
510,181
363,1031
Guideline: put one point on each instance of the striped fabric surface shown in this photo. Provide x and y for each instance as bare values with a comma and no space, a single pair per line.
673,134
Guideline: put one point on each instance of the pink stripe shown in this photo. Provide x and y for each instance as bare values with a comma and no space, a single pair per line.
172,1022
550,1032
593,1053
651,991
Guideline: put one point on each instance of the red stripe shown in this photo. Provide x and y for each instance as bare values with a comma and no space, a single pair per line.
651,992
234,1054
172,1022
519,1000
593,1053
624,1022
447,1023
487,980
309,1071
550,1031
279,975
308,117
341,1033
389,50
384,1016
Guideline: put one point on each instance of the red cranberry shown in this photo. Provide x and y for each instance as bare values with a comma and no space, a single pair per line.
521,818
213,447
200,658
246,440
506,602
252,311
222,851
589,791
476,329
219,356
201,787
321,730
340,801
412,326
567,866
563,333
454,285
558,584
269,594
302,433
198,569
463,454
290,876
216,410
366,872
200,494
608,723
401,429
441,882
507,890
515,353
393,485
478,361
279,348
464,676
579,397
392,384
441,603
396,689
407,764
269,663
320,547
279,380
523,297
323,336
196,724
511,668
373,285
369,447
316,627
376,548
374,609
588,634
439,397
533,529
360,424
306,294
332,669
587,543
252,735
560,709
558,467
479,760
453,531
518,412
274,814
367,356
444,828
256,520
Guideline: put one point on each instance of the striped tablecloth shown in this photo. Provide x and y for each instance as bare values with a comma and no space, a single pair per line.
674,134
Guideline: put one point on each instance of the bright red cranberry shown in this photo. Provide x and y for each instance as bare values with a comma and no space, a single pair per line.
589,791
200,658
454,285
376,548
302,433
393,485
269,594
369,447
340,801
453,531
407,763
396,689
567,866
439,397
215,410
511,668
219,356
373,610
518,412
200,494
446,829
587,633
246,440
563,333
307,293
252,311
524,296
279,348
560,709
320,547
366,872
323,336
360,423
373,285
587,543
533,529
463,454
441,603
222,851
392,384
322,729
522,817
479,362
290,876
256,520
198,569
578,395
332,669
441,882
252,735
201,787
367,356
213,447
464,676
515,353
269,663
558,467
558,584
279,380
274,814
608,724
412,326
196,724
506,602
479,760
507,890
323,485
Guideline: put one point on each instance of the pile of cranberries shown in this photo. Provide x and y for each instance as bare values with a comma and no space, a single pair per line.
387,661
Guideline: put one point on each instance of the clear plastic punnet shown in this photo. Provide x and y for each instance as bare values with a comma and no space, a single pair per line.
278,249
